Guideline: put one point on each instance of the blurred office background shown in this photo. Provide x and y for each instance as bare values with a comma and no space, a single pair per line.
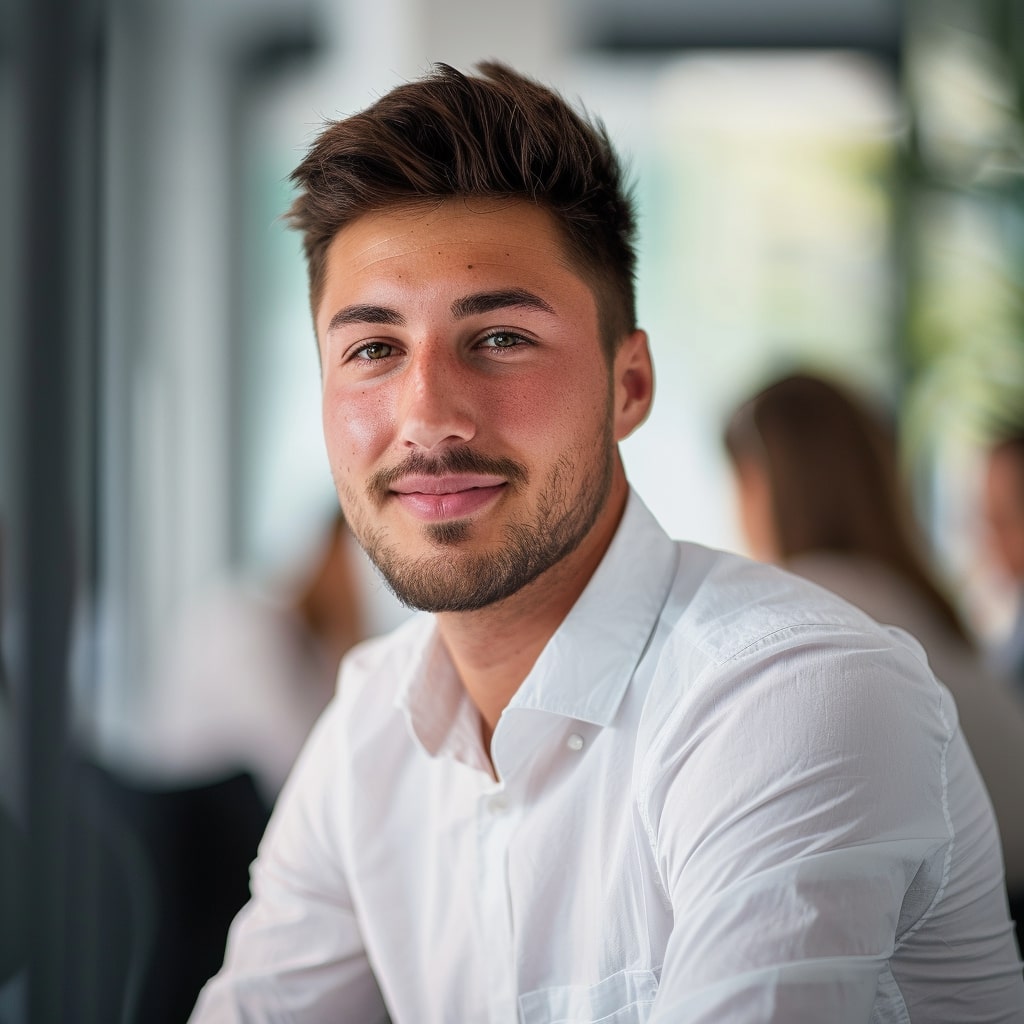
834,184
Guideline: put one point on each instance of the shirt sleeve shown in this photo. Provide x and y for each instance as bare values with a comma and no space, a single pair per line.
295,953
796,805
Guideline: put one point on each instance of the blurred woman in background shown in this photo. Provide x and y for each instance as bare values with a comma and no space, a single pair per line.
1002,501
820,494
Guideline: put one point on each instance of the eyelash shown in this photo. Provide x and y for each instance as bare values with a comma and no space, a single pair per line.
361,352
519,339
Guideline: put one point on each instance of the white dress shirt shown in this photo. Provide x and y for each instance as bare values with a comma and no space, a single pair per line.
721,796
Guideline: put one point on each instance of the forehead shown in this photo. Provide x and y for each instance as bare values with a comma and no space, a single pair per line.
416,249
510,224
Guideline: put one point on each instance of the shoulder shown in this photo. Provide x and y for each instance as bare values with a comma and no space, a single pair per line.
373,672
781,719
392,649
370,678
728,607
758,664
362,716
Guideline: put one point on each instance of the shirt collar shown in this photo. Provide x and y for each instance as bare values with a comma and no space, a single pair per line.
438,712
586,667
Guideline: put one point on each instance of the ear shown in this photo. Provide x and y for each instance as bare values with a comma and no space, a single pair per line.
633,376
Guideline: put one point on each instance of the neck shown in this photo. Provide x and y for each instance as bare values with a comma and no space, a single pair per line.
494,649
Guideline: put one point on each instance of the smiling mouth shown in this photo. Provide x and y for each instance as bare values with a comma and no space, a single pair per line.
454,496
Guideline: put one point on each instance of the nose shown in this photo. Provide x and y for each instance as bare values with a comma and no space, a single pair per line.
436,404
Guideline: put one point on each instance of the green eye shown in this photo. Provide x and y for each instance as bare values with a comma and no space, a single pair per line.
503,339
375,350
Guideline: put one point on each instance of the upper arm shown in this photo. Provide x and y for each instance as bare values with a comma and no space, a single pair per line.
295,951
792,806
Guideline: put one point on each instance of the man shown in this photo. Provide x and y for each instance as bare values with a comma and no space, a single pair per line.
1003,507
610,777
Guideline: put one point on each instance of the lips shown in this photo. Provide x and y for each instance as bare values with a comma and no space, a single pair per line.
454,496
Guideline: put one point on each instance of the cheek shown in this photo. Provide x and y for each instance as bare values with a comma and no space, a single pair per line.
355,427
538,419
560,406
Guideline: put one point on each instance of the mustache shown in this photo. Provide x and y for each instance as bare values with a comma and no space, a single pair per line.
454,460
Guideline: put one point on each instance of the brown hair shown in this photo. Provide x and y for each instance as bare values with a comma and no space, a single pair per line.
834,479
495,135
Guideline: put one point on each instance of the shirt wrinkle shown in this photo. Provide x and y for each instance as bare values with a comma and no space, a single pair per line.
948,861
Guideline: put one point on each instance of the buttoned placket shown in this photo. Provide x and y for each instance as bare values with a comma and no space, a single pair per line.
497,817
500,810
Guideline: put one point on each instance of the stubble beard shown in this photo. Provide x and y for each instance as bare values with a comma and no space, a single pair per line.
452,580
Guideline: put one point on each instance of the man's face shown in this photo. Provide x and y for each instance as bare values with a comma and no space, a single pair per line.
468,407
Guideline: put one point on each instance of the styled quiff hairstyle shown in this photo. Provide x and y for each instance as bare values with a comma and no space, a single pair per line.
495,135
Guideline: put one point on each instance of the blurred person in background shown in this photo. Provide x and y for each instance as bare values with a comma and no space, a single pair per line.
821,494
249,669
1003,511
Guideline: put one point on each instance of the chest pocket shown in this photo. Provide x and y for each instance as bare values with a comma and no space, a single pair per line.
625,997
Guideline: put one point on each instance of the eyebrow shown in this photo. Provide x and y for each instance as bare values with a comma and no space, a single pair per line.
363,313
504,298
468,305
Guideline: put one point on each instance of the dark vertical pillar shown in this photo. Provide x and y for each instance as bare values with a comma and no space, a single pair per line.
56,54
45,523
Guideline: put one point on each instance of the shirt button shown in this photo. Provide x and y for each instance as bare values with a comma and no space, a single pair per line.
497,804
575,742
